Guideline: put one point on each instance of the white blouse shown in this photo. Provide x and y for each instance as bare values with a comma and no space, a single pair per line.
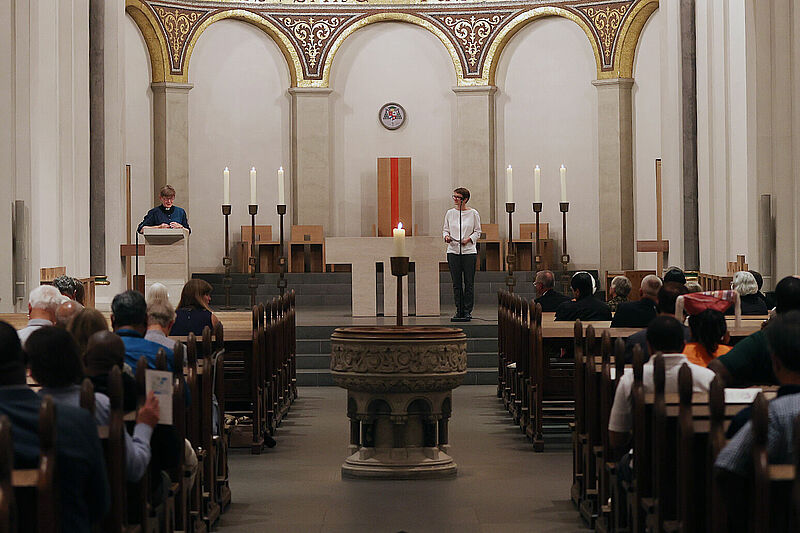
470,226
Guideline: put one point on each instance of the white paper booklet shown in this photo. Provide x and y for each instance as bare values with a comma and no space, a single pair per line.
160,382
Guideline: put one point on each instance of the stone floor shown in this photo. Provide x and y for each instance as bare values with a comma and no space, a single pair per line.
502,485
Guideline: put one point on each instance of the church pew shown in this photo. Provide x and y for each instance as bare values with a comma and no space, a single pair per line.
591,439
192,418
220,440
8,505
204,405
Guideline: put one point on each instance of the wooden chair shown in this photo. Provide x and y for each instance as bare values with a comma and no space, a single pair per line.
267,251
307,249
490,249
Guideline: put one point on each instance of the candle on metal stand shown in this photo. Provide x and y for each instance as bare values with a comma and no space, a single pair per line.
281,197
226,187
253,186
537,183
563,183
509,185
399,235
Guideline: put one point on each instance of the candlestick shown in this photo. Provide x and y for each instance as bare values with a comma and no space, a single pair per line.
399,269
537,183
563,184
399,235
564,207
226,187
281,197
253,260
282,260
509,185
253,186
537,208
511,258
226,260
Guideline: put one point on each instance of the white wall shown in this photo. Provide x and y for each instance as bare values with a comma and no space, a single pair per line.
239,118
646,97
391,62
547,115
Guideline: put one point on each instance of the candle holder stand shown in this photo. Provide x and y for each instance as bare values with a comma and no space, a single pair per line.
511,258
564,207
282,283
226,260
399,269
253,260
537,257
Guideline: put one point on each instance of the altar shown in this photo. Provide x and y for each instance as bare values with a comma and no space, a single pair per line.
363,253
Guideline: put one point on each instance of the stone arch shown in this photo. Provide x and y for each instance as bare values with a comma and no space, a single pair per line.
156,45
390,17
629,35
285,46
522,20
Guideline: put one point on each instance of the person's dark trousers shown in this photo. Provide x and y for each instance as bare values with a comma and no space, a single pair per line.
462,272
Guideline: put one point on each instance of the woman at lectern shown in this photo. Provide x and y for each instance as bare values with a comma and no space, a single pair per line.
166,215
462,227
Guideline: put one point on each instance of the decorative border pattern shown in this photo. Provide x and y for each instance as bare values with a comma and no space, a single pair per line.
309,32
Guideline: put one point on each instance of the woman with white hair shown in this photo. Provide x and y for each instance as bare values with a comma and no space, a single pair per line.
745,284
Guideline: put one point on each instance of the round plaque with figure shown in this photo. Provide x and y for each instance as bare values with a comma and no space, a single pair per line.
392,116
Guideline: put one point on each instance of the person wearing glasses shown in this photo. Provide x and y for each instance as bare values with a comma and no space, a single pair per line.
462,227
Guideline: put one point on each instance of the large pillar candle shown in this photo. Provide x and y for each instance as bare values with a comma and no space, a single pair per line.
226,187
537,183
399,235
509,185
281,197
563,184
253,186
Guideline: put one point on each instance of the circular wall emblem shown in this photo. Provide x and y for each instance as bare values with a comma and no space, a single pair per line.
392,116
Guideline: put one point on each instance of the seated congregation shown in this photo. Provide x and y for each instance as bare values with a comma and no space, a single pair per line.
661,439
83,443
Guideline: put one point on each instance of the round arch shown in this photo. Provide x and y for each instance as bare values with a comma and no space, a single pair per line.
522,20
154,39
285,46
630,33
386,17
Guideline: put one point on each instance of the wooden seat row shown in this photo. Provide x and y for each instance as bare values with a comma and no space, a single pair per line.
676,439
531,385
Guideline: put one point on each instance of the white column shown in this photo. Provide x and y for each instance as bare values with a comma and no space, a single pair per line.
615,151
474,147
311,156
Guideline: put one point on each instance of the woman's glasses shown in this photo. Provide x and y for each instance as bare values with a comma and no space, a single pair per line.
456,197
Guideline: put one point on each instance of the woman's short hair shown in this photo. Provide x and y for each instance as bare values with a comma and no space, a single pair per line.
85,324
464,192
53,357
744,283
167,191
156,292
621,286
193,292
694,286
160,312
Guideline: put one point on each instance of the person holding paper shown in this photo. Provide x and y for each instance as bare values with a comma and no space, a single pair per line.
166,215
462,227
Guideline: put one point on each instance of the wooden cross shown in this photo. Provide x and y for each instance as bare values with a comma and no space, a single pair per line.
659,246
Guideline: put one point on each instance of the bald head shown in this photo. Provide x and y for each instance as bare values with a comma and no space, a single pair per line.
66,311
104,351
650,286
544,281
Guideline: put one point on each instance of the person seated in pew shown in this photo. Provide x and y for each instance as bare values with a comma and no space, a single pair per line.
66,285
546,295
710,337
639,313
66,312
56,365
129,320
745,284
42,304
82,482
160,318
667,296
193,313
734,465
585,306
675,274
664,334
85,324
618,292
783,339
749,362
104,351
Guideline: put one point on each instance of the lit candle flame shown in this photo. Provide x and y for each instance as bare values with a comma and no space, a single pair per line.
399,225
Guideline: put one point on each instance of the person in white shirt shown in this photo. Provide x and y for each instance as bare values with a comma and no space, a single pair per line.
42,304
462,227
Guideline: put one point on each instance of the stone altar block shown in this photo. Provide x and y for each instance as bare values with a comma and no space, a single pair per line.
363,252
167,260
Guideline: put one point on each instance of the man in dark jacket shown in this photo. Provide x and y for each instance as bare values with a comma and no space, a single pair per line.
585,306
546,295
640,313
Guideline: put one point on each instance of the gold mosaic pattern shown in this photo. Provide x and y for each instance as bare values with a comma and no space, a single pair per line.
310,32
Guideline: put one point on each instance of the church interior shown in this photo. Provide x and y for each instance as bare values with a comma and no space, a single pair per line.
281,169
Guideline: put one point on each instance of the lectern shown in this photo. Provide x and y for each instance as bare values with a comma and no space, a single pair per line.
167,259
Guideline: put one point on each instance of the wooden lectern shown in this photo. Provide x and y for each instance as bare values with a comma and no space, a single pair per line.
167,260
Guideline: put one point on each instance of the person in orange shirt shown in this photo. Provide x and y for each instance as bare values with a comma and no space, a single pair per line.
710,337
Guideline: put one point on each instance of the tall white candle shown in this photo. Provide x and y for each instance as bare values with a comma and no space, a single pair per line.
509,185
563,184
226,187
399,235
281,197
537,183
253,186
